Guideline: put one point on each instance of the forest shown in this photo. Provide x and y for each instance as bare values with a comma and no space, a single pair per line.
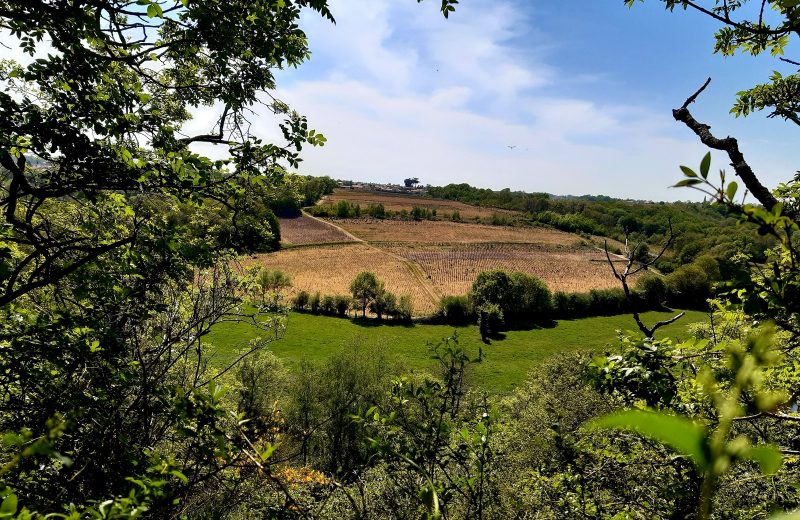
122,252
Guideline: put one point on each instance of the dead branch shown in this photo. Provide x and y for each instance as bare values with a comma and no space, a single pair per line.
632,268
728,145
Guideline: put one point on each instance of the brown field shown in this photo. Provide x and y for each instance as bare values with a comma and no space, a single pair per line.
306,230
391,202
434,231
330,269
452,268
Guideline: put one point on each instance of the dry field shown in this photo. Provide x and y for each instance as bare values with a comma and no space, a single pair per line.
452,268
306,230
444,208
434,231
330,269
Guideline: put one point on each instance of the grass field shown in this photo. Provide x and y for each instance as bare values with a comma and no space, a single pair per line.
304,230
507,363
398,202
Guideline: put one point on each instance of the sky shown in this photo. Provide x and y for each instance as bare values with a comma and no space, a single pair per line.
569,97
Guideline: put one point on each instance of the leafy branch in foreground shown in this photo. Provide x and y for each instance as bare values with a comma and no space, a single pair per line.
710,446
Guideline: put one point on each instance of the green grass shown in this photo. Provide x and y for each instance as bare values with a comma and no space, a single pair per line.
506,364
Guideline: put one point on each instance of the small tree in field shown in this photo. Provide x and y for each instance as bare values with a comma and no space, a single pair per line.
384,303
364,288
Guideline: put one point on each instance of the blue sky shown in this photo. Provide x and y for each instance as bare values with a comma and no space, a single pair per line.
582,89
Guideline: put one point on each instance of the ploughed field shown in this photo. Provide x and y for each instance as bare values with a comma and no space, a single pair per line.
428,259
329,269
452,268
304,230
398,202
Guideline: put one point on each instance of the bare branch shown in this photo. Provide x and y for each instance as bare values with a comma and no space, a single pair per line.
729,145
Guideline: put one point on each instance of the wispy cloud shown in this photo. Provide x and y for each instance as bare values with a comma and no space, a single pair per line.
399,91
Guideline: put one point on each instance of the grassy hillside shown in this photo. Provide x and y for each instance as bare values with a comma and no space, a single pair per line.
507,362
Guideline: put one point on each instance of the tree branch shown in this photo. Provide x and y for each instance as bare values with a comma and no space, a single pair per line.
728,145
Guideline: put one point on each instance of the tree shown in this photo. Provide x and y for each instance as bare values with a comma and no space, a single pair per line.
742,418
107,290
364,288
411,182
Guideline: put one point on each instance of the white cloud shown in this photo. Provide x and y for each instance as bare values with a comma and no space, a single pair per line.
400,91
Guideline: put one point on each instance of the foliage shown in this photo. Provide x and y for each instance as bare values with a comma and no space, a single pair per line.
424,429
365,287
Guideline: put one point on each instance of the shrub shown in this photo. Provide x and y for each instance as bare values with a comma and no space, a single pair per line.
529,299
342,304
607,302
384,303
456,310
490,319
651,290
314,303
300,301
328,305
688,286
405,308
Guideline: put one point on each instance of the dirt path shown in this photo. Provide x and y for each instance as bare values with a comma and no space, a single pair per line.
414,268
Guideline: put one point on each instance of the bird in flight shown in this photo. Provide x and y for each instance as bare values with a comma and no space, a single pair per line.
511,147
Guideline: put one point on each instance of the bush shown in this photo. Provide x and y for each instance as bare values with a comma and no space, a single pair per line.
342,304
456,310
405,309
300,302
688,286
490,320
314,303
530,299
607,302
651,290
384,303
328,305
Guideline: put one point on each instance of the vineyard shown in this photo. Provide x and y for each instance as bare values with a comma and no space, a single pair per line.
452,268
428,231
304,230
330,269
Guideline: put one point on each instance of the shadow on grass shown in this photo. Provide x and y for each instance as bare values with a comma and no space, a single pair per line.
373,322
532,325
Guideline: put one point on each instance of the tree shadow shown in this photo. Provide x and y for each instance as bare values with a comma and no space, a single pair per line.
368,323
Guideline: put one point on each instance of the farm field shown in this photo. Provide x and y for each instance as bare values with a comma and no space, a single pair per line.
507,363
305,230
452,268
397,202
443,232
330,269
429,259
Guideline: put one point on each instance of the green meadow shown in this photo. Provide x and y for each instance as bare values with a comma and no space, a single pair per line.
507,360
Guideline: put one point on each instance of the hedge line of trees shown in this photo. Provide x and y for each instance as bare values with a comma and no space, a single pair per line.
505,300
345,209
368,293
699,228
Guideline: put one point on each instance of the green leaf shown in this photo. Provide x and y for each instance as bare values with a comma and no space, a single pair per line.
687,182
679,433
9,505
705,165
767,456
154,10
688,171
730,191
